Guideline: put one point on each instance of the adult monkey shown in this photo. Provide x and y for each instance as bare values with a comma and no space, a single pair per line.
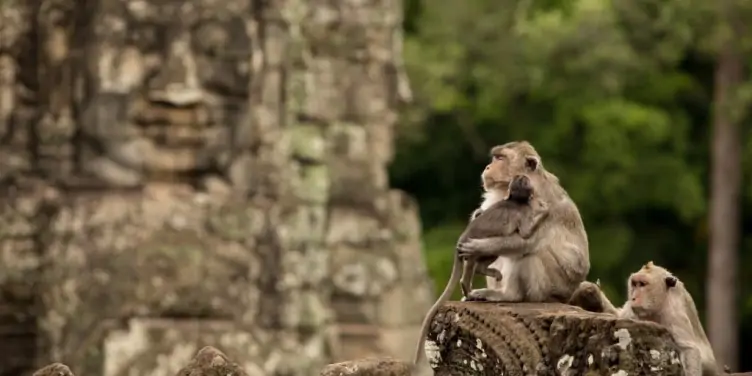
516,214
655,294
548,266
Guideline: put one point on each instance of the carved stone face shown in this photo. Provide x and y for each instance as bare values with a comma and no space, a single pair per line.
176,73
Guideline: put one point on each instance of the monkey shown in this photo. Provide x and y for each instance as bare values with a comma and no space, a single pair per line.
655,294
472,266
550,264
517,213
513,214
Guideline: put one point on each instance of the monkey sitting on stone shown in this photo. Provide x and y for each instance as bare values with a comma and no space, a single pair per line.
549,264
516,214
657,295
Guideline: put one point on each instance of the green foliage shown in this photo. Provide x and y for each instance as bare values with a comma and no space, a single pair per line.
614,94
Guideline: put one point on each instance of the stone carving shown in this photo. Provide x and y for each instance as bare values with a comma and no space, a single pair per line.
54,369
179,174
211,362
368,367
469,338
167,92
517,339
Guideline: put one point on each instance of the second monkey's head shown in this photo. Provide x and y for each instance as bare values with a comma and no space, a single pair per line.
507,161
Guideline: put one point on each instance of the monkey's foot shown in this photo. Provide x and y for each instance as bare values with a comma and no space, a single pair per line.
588,297
488,295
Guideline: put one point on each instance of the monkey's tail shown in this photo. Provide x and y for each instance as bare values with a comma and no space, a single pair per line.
454,279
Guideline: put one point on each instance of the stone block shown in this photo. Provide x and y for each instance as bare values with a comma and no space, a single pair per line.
211,362
368,367
54,369
150,256
359,340
471,338
399,306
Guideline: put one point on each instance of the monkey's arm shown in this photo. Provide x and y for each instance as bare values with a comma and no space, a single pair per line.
484,269
527,228
512,244
496,246
690,357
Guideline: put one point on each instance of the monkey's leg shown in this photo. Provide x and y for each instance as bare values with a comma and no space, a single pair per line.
484,269
590,297
468,272
509,292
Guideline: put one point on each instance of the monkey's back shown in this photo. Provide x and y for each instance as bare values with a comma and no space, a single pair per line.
501,219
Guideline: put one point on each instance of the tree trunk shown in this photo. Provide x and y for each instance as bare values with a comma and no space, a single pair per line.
724,206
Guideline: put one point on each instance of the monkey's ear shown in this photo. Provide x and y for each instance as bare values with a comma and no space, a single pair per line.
670,282
532,163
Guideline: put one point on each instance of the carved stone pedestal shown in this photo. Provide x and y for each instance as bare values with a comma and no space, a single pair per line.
471,338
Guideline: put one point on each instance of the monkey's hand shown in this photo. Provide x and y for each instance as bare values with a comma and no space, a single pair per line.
496,246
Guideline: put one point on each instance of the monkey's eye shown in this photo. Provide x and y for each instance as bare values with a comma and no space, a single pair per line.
638,283
499,157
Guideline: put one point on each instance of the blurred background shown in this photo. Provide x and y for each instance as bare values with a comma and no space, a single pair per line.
641,108
286,179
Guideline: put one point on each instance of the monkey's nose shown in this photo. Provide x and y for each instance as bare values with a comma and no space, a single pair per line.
487,167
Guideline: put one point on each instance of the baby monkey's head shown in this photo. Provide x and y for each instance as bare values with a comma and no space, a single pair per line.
520,189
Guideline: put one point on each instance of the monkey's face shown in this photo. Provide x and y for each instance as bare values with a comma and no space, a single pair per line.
648,292
506,163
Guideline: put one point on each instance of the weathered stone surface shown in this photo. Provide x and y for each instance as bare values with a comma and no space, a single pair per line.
220,173
545,339
25,207
211,362
368,367
54,369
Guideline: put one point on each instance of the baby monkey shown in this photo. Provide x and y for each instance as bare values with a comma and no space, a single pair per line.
516,214
657,295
